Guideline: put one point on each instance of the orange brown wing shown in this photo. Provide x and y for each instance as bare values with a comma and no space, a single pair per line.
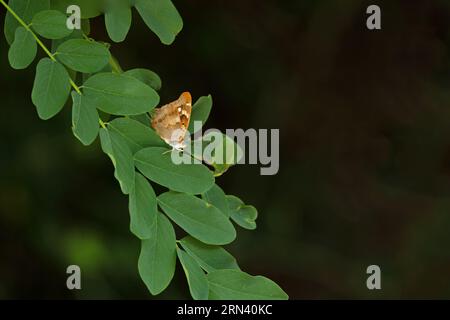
171,121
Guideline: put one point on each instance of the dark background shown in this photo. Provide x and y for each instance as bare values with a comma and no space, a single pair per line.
364,118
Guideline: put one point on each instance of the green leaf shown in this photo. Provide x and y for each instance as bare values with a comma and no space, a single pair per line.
76,34
143,208
118,19
51,24
117,149
196,278
89,8
148,77
242,214
161,17
158,256
120,95
209,257
83,55
85,118
195,216
137,135
238,285
144,119
25,9
217,198
23,50
225,154
156,164
51,88
200,112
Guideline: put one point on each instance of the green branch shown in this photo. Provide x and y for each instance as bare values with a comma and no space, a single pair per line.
41,44
136,151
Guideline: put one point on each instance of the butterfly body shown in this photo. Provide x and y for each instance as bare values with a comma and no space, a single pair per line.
171,121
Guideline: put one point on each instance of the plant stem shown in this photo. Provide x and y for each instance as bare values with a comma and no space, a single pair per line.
40,43
114,65
47,51
102,123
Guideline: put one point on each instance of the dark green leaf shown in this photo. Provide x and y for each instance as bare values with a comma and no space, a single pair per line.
143,118
51,88
217,198
209,257
83,55
89,8
120,95
198,218
158,256
76,34
117,149
23,50
137,135
51,24
25,9
118,19
238,285
196,278
143,208
85,118
161,17
242,214
148,77
157,165
200,112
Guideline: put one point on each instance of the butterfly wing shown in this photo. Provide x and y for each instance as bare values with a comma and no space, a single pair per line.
171,121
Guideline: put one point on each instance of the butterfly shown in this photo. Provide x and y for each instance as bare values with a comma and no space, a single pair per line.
171,121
